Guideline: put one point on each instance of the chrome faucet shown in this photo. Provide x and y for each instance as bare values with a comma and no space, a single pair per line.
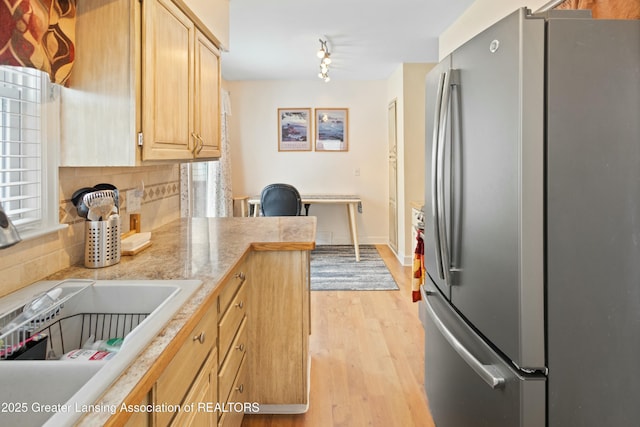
8,233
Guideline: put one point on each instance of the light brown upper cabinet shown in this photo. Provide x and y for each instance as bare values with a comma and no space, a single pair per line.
207,97
144,86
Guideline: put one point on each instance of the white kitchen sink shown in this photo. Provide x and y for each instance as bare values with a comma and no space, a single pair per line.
58,392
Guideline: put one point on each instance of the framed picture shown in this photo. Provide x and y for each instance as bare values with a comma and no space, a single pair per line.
332,129
294,129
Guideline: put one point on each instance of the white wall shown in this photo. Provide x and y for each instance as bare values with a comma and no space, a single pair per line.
215,15
407,86
414,141
256,161
480,15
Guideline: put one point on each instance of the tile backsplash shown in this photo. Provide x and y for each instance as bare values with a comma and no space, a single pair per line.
32,260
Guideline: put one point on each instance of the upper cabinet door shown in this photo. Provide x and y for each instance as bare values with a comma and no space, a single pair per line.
167,91
207,98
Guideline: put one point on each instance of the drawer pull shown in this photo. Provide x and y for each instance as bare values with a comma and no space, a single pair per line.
240,388
240,305
240,347
240,276
199,337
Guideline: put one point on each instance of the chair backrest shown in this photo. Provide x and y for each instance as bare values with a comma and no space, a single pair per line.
280,200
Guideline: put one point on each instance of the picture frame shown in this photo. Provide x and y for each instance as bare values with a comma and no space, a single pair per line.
294,129
331,129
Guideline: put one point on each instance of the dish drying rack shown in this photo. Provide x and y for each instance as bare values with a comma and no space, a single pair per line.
60,332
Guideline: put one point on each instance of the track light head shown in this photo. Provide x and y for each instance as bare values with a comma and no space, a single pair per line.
325,59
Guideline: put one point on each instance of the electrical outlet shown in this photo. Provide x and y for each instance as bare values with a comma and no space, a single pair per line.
133,201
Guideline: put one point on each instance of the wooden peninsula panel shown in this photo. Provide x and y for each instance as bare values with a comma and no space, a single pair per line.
278,365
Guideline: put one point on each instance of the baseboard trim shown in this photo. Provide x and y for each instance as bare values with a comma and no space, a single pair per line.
282,409
300,408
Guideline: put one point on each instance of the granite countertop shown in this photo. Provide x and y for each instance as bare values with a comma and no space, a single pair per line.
206,249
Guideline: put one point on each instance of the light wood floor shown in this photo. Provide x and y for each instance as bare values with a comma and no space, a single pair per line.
367,353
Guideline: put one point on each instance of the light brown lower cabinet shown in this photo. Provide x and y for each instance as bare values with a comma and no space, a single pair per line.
249,352
141,419
198,408
187,370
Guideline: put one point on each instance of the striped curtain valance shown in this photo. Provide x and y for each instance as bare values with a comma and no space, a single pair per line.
39,34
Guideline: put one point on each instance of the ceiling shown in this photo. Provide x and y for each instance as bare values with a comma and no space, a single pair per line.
368,39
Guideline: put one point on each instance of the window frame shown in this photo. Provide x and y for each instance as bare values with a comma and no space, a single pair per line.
49,141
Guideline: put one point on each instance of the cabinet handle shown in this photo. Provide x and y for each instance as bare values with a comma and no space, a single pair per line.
195,143
240,305
198,144
240,276
240,347
240,388
199,337
201,144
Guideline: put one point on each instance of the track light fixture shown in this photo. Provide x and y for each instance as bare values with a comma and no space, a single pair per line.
325,60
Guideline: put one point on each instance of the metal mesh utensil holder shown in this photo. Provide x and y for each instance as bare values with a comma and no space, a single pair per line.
102,242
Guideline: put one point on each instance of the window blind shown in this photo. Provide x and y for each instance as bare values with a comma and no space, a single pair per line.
21,171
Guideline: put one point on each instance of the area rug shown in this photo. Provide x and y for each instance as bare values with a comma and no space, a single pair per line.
334,268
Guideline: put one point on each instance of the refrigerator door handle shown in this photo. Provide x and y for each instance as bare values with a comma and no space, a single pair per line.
442,219
435,176
489,373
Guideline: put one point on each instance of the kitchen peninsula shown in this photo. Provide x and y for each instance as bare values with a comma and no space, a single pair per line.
254,301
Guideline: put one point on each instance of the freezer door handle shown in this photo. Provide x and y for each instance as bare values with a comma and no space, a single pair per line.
435,176
489,373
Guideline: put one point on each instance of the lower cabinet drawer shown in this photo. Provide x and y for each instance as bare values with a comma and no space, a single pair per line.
229,370
231,319
233,418
231,286
174,383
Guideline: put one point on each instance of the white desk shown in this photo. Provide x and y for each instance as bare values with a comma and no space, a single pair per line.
352,203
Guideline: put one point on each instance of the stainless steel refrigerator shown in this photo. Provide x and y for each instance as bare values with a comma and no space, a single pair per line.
531,306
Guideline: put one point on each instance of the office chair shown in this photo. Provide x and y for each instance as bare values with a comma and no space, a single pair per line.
280,200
